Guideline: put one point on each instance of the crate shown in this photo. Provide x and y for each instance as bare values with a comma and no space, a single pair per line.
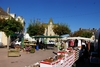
13,53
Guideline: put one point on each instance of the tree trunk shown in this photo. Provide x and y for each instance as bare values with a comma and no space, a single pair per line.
8,42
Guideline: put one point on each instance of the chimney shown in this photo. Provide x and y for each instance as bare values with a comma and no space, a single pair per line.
8,10
80,28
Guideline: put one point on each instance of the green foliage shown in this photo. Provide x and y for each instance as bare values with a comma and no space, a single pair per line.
77,33
86,34
81,33
2,21
10,26
61,29
35,28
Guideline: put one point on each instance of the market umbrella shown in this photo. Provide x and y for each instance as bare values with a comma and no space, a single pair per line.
41,36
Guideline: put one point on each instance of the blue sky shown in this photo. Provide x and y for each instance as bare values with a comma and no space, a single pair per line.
75,13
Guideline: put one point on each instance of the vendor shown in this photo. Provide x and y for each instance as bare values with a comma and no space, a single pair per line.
62,46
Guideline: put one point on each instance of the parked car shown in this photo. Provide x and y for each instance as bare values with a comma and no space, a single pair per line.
50,42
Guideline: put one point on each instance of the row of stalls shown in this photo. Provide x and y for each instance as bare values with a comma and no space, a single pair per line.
62,58
68,57
94,52
27,43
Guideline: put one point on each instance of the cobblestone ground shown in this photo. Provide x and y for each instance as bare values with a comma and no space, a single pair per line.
25,59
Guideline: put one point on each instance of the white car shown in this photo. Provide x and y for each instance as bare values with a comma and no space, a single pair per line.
50,42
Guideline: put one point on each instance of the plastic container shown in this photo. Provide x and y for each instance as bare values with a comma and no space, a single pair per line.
37,47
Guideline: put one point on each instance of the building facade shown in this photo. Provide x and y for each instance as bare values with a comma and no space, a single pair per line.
49,29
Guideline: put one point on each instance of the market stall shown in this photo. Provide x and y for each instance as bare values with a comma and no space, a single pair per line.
62,59
29,46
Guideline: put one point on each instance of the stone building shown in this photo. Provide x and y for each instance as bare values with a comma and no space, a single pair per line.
49,29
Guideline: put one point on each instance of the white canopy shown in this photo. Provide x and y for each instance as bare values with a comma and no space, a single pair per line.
82,38
26,36
31,39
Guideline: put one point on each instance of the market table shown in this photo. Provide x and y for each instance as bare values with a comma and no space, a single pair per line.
29,46
67,60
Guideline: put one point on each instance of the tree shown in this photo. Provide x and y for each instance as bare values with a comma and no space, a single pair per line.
35,28
61,29
71,34
86,34
77,33
2,21
82,33
10,26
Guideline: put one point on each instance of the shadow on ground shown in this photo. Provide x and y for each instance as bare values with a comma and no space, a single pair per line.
82,63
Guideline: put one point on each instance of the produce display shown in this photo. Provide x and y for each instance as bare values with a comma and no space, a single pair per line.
50,60
65,58
62,59
53,59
